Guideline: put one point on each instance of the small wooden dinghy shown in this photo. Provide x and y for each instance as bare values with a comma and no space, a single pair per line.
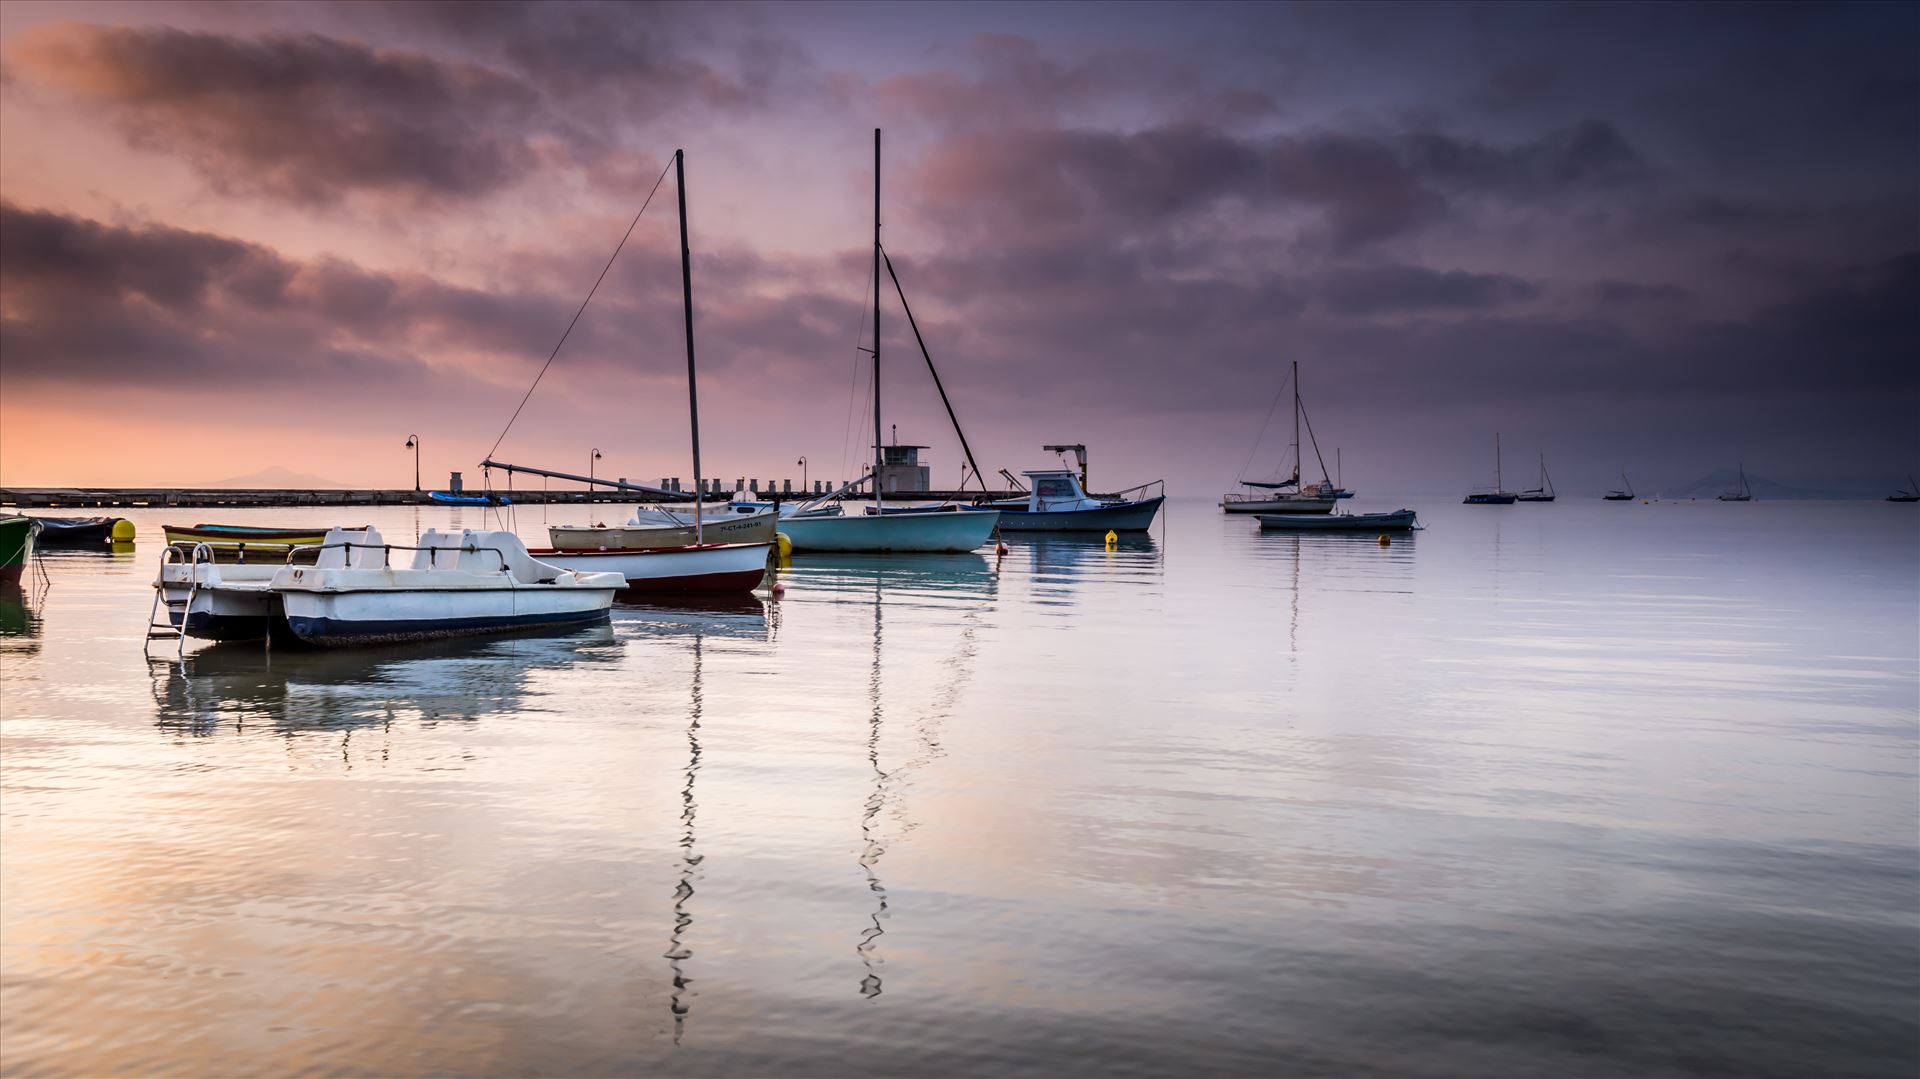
1397,521
245,542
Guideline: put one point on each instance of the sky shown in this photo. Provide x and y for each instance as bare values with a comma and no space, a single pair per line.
1661,238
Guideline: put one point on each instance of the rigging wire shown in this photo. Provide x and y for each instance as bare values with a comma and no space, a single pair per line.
1281,392
583,309
853,378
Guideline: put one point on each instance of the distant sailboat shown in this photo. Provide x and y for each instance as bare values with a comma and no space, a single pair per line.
1910,494
1739,493
1544,492
1621,496
1499,496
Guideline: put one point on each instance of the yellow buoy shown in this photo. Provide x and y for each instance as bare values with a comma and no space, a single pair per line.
123,531
1112,537
1386,540
786,545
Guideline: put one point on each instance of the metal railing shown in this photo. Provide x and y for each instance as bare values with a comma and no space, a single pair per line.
386,552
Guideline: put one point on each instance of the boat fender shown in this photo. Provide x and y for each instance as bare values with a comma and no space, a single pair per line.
122,530
785,544
779,589
1386,540
1112,537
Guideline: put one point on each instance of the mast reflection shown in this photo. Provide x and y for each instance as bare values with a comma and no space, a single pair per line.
678,953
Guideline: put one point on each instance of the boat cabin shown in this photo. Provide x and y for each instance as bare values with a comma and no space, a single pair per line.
1057,489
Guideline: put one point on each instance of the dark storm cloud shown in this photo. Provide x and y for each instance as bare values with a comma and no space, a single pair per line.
1361,187
1384,289
310,118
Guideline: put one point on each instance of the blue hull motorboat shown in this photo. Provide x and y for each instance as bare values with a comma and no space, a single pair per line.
1057,501
447,498
1123,517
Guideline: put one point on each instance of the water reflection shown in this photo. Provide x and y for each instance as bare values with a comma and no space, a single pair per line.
294,691
20,617
677,951
884,817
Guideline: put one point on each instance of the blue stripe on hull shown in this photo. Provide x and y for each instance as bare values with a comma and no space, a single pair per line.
332,632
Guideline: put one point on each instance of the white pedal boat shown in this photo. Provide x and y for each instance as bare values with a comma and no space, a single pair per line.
453,586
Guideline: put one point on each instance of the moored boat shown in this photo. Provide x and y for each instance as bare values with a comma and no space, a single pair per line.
1738,491
230,542
1397,521
704,568
1911,493
1499,496
448,498
1289,495
84,531
1057,501
653,527
1620,495
473,583
16,547
890,532
1542,493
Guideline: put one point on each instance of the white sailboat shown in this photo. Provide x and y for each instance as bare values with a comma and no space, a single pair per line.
1288,495
693,565
827,528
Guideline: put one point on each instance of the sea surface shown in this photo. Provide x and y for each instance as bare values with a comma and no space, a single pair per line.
1582,789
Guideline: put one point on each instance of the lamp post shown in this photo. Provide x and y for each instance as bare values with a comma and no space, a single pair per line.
802,462
590,461
413,443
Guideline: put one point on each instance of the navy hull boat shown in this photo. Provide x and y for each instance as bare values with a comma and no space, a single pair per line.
1057,501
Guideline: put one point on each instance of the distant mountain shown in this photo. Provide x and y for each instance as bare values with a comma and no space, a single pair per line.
277,477
1713,484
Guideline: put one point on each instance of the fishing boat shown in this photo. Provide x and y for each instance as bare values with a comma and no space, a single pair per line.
1397,521
16,547
480,581
1288,495
1738,491
1910,494
692,564
817,527
1621,495
653,527
1542,493
1499,496
84,531
1057,501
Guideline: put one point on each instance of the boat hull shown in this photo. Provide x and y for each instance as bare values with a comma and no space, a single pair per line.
16,547
76,531
731,528
1278,505
903,532
1397,521
1132,517
1534,498
392,616
1489,500
713,568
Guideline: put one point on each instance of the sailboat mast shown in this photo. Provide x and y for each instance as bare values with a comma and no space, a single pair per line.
1498,483
1298,459
693,393
878,453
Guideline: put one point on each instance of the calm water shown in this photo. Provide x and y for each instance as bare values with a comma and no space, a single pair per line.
1586,789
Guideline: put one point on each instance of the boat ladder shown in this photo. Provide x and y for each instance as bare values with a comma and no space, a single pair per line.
158,630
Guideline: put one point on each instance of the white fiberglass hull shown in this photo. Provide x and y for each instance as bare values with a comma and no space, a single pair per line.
1278,505
715,567
384,615
219,602
905,532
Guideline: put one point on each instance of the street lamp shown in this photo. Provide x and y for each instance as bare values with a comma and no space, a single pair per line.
590,461
413,443
802,462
